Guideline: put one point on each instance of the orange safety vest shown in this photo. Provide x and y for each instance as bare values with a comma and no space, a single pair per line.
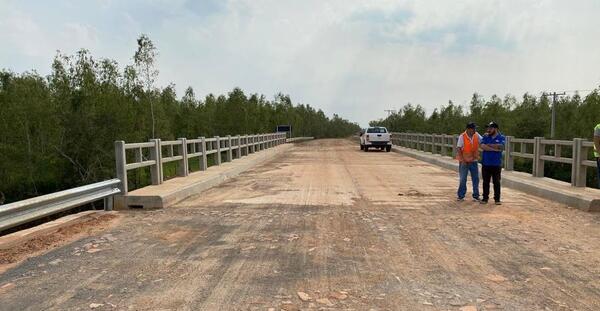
470,150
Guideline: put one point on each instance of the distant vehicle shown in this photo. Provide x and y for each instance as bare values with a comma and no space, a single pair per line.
375,137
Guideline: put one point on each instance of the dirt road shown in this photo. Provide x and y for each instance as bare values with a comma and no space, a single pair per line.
326,226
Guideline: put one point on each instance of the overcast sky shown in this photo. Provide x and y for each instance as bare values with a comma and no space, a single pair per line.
354,58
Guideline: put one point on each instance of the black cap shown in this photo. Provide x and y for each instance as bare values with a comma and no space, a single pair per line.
471,125
493,125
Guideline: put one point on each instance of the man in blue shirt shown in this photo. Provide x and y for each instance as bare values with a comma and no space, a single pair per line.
492,145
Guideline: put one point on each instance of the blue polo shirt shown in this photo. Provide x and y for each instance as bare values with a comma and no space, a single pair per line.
492,158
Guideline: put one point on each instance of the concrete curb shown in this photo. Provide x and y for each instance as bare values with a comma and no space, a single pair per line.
585,199
299,139
153,197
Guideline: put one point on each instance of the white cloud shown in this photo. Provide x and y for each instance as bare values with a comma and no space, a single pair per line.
354,58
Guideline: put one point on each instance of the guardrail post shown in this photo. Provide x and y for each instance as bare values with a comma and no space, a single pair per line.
229,149
121,161
182,168
218,142
538,163
156,170
108,203
203,160
238,153
509,160
579,170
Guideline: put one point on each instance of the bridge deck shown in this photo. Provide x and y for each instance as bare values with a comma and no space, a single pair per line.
352,230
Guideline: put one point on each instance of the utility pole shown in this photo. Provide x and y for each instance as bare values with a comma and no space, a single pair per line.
555,96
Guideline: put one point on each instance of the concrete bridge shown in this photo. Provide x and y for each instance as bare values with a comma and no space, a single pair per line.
317,225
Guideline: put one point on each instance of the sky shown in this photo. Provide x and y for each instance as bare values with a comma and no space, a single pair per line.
353,58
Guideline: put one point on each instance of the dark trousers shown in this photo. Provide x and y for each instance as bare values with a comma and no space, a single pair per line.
493,173
598,165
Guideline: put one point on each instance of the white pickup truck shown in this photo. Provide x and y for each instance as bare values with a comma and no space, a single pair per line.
375,137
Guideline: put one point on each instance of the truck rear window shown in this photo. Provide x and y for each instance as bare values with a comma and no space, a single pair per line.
376,130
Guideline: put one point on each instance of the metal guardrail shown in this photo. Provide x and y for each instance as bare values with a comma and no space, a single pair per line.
538,149
17,213
155,153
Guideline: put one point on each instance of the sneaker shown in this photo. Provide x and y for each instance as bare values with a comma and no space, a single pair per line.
476,200
498,203
483,202
460,199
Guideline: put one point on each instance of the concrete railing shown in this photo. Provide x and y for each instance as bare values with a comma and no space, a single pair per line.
156,153
539,150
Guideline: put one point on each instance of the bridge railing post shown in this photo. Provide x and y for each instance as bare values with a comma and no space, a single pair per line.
267,141
156,172
417,143
229,149
218,144
121,162
538,152
579,170
509,160
443,145
454,145
203,159
182,168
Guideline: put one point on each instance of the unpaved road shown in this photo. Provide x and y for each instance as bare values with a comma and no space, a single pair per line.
349,230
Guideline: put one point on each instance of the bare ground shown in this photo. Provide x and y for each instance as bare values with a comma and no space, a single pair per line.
326,226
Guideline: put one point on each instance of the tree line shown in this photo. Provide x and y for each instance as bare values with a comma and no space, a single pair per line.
527,117
58,131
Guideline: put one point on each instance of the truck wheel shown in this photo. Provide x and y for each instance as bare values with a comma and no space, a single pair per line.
365,148
388,148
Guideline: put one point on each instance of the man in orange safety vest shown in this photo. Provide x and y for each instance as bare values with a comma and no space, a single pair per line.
467,154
